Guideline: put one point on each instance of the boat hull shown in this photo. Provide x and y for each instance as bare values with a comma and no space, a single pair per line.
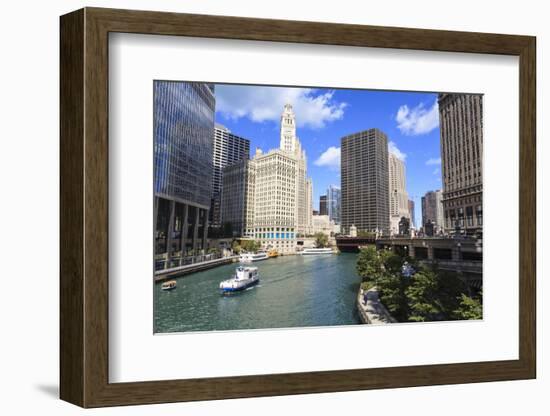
240,287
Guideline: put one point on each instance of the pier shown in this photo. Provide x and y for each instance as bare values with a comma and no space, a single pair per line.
165,274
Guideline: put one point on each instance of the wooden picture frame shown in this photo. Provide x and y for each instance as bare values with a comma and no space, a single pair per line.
84,207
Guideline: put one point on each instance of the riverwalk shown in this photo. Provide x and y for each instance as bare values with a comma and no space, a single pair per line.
371,310
165,274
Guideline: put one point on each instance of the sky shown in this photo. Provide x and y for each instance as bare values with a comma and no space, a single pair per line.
324,116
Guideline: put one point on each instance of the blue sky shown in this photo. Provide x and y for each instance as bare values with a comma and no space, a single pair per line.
324,116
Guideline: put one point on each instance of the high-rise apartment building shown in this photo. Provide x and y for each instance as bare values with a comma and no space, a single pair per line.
334,201
432,210
461,127
365,178
183,143
323,209
228,148
399,199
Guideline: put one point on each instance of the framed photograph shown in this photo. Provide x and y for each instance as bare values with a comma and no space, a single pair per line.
255,207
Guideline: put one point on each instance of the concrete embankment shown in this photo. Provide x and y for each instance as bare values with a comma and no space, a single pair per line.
165,274
371,310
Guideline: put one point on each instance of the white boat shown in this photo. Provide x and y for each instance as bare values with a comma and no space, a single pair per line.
169,285
243,278
316,251
250,257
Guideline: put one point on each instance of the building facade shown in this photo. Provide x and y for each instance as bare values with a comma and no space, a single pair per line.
432,211
183,148
399,199
412,213
237,196
461,127
365,182
323,209
309,206
334,200
228,149
276,192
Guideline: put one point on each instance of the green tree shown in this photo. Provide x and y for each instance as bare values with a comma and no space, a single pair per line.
321,240
236,247
369,264
469,308
422,297
392,288
250,245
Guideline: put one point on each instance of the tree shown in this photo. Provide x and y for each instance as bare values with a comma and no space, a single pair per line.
422,297
321,240
369,264
250,245
469,308
236,247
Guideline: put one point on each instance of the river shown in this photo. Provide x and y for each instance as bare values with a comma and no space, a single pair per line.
294,291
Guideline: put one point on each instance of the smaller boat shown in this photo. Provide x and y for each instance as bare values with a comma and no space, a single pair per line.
316,251
243,278
169,285
272,253
250,257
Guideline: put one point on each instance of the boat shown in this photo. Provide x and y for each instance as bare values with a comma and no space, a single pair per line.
169,285
243,278
250,257
272,253
316,251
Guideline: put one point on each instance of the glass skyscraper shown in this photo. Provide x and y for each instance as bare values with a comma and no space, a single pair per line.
183,145
333,203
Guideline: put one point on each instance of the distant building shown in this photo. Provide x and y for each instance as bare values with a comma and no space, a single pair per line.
461,127
183,148
365,177
399,206
309,206
404,226
411,213
237,197
228,149
323,224
323,210
334,199
432,210
315,212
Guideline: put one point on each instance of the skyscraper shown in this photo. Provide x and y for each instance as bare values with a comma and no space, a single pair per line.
309,206
365,177
461,126
432,209
411,213
183,143
334,199
228,149
281,209
399,206
323,210
237,196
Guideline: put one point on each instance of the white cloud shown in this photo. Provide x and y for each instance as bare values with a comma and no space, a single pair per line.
418,120
392,148
433,161
436,171
261,104
329,158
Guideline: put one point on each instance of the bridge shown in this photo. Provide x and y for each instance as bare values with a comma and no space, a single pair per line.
353,244
462,255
